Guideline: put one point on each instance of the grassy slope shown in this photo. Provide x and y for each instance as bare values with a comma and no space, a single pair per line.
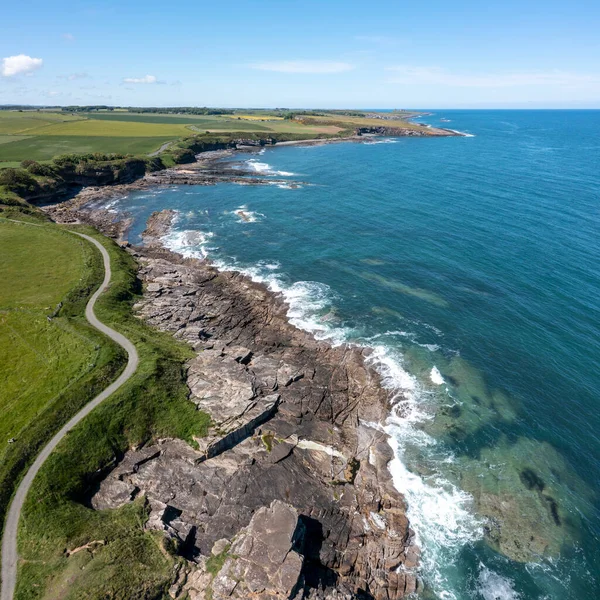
130,563
38,358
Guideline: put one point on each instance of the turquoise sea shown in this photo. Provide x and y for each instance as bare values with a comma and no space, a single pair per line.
470,265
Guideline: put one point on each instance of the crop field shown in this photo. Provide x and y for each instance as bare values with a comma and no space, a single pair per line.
259,117
15,122
97,128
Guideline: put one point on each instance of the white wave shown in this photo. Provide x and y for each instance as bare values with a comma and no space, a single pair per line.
110,206
492,586
308,301
436,376
246,216
464,134
383,141
411,335
284,185
258,166
270,266
189,243
266,169
430,347
439,512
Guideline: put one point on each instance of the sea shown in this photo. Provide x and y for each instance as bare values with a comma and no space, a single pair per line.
469,266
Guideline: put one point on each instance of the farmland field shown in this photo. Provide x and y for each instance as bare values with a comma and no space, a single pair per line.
42,135
96,128
42,148
14,122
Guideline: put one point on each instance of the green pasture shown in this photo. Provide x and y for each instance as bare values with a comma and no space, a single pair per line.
49,368
42,148
39,357
15,122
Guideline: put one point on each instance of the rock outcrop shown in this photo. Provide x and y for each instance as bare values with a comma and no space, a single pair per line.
291,488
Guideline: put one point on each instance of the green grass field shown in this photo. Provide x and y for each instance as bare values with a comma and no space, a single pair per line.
38,358
98,128
15,122
43,148
39,267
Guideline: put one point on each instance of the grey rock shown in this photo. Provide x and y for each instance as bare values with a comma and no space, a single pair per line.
266,385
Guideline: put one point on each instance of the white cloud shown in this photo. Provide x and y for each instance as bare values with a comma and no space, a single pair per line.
20,64
145,79
303,66
437,76
69,37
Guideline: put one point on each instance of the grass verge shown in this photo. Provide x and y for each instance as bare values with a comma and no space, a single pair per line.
49,368
69,550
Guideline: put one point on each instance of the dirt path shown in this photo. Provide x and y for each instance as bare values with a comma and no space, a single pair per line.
161,149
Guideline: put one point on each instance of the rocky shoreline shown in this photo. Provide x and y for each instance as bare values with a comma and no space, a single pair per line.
290,493
209,168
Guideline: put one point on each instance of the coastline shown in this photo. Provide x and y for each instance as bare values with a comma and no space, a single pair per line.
406,557
297,386
205,170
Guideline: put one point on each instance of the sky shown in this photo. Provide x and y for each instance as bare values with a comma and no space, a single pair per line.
309,54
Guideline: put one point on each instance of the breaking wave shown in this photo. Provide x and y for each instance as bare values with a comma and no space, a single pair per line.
439,512
266,169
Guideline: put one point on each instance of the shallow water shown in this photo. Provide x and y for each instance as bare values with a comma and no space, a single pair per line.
470,266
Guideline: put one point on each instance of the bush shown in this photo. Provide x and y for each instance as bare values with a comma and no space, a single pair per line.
35,168
18,181
183,156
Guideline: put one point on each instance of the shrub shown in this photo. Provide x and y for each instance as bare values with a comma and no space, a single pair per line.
35,168
183,156
18,181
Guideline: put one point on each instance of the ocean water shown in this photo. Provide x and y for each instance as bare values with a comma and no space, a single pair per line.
470,266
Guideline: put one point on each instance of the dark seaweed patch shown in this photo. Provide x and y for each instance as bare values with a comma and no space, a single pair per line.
531,480
553,506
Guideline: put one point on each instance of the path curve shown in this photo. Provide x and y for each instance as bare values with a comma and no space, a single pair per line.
10,556
161,149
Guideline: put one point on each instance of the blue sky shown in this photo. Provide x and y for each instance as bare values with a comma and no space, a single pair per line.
267,53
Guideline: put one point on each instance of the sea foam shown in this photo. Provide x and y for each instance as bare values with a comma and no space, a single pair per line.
439,512
492,586
266,169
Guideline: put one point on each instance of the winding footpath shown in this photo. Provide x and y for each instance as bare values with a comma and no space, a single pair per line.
9,542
